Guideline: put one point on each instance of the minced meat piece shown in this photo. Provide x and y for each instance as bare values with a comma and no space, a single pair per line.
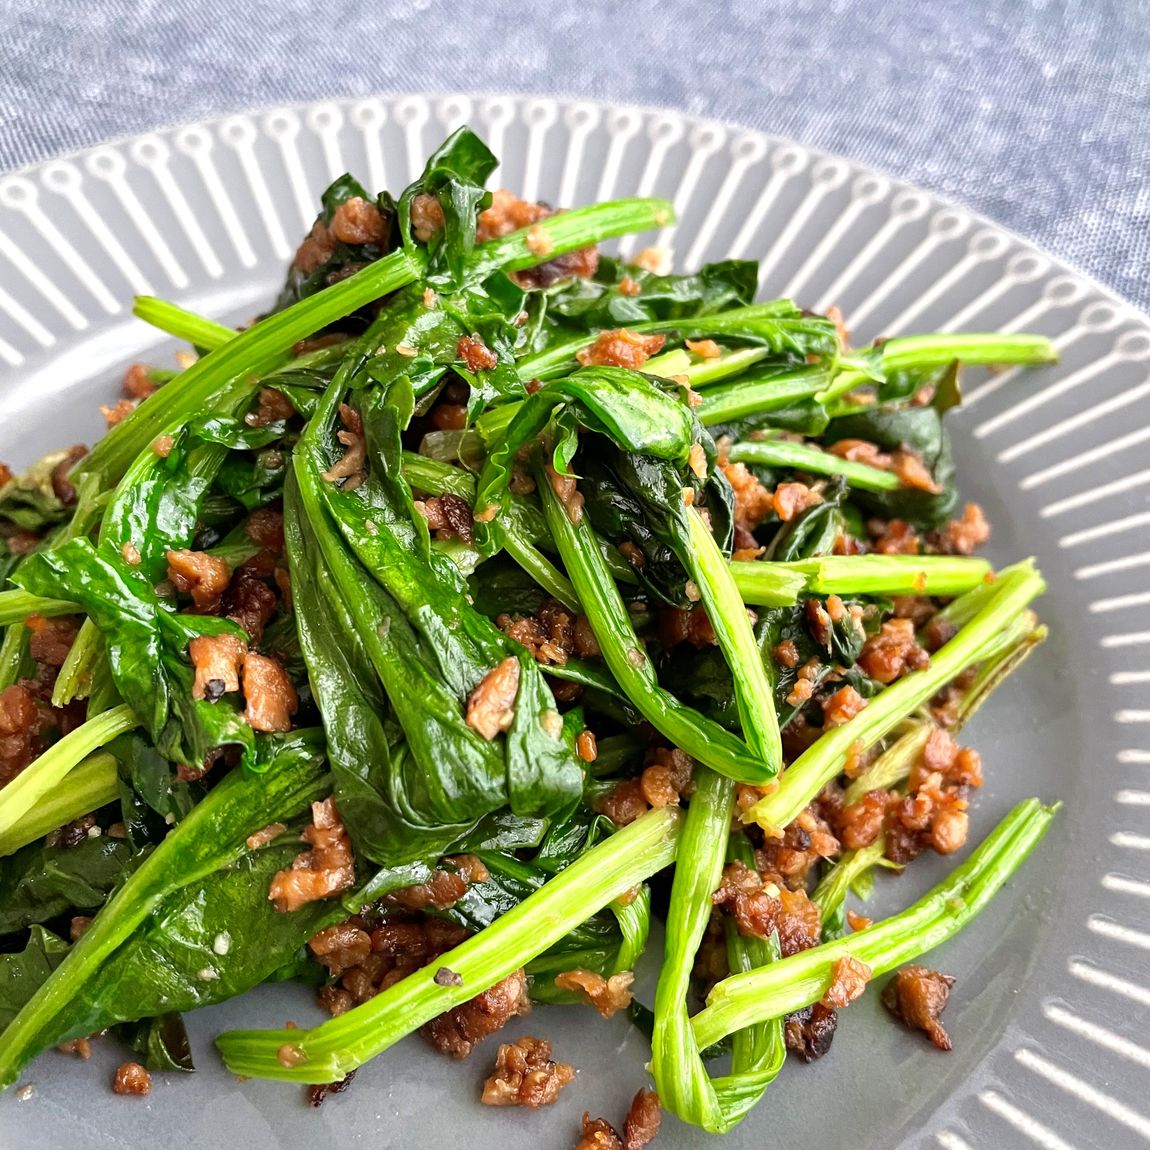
476,355
340,947
318,1093
691,626
457,1031
567,492
624,804
849,978
607,995
754,905
326,869
447,885
963,535
350,468
273,407
799,922
892,652
315,250
137,382
5,474
621,347
50,640
264,835
525,1075
598,1134
860,824
917,997
842,706
491,707
447,515
250,602
62,486
426,216
507,213
205,577
117,412
553,634
753,502
270,698
809,1032
131,1078
357,221
791,499
265,526
644,1117
216,660
894,538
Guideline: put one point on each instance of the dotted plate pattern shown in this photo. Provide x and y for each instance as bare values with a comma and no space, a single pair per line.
208,214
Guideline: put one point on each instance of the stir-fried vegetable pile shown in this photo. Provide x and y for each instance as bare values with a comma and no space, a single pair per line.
516,578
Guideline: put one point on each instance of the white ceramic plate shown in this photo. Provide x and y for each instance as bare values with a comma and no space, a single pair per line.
1049,1014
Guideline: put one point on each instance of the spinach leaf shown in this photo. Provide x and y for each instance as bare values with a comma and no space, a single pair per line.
163,1042
23,973
39,882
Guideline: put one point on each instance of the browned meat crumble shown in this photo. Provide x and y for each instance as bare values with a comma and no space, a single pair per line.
525,1075
918,996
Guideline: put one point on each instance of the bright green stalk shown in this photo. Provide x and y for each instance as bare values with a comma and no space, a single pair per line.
329,1051
626,659
540,568
681,1080
806,457
45,773
701,372
17,605
75,677
560,358
762,392
12,652
770,992
767,584
833,888
754,698
927,352
88,787
818,765
181,323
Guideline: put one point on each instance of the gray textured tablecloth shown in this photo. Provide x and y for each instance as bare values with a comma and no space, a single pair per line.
1035,113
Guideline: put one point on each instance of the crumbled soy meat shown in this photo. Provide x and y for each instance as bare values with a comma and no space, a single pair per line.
903,462
799,922
508,213
753,502
937,633
842,706
964,535
791,499
205,577
894,538
644,1117
586,746
315,250
893,652
265,527
598,1134
448,516
340,947
216,660
162,445
426,217
447,885
137,382
350,469
327,868
78,925
624,804
77,1047
62,486
74,833
849,978
567,492
272,407
786,654
753,904
858,921
117,412
666,776
553,634
960,766
476,355
809,1032
491,707
706,348
656,260
317,1094
131,1078
250,602
50,640
264,835
525,1075
607,995
686,626
917,997
621,347
457,1031
270,698
357,221
861,823
5,474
